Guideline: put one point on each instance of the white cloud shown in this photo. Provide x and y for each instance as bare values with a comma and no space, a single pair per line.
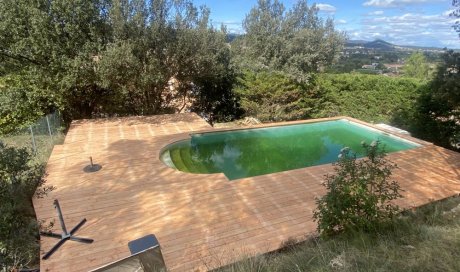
395,3
448,12
326,8
407,29
377,12
232,26
340,21
228,22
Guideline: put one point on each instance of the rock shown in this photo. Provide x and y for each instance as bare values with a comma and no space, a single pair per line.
338,262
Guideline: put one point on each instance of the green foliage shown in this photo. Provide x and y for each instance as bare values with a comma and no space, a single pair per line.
116,57
358,194
51,44
436,117
417,66
367,71
274,96
296,41
18,228
371,98
456,13
21,102
277,96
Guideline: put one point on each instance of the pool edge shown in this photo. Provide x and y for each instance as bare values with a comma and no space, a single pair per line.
187,136
317,120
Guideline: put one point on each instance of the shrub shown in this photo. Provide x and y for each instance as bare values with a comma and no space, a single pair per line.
437,111
21,103
417,66
381,98
275,96
19,179
359,193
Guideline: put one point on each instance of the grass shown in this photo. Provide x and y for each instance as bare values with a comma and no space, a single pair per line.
44,144
425,239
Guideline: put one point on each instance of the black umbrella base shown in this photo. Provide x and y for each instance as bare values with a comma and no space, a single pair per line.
64,236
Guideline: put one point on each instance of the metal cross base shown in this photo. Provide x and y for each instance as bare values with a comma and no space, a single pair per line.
92,167
64,236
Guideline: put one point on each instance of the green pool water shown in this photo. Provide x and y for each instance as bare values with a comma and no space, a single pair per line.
253,152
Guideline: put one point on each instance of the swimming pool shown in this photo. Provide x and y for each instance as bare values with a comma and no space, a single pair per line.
258,151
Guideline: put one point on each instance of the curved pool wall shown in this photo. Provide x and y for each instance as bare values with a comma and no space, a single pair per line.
258,151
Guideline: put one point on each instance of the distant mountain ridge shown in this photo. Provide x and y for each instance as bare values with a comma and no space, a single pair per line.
380,44
386,46
377,44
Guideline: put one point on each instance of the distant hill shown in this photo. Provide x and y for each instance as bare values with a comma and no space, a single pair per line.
386,46
380,44
377,44
353,42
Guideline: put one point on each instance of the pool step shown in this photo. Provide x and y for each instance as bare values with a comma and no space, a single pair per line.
166,158
177,160
183,161
187,160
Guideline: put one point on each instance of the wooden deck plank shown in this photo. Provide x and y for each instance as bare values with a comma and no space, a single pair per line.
202,221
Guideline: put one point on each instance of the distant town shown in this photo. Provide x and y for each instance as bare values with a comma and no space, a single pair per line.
380,57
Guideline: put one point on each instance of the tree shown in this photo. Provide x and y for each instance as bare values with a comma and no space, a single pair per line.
456,13
20,179
162,44
437,112
359,194
296,41
417,66
437,117
274,96
115,57
21,102
51,44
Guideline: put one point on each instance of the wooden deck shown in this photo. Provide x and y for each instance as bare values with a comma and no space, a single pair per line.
201,221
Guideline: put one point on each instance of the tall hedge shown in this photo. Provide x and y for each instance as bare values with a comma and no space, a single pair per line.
274,96
372,98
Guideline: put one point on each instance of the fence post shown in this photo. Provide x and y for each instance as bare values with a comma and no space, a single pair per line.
49,128
33,139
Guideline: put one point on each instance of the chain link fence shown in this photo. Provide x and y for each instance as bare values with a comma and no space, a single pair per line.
40,137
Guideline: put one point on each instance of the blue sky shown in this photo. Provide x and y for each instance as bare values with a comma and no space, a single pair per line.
403,22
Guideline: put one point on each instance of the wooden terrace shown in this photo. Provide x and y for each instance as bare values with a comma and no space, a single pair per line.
201,221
